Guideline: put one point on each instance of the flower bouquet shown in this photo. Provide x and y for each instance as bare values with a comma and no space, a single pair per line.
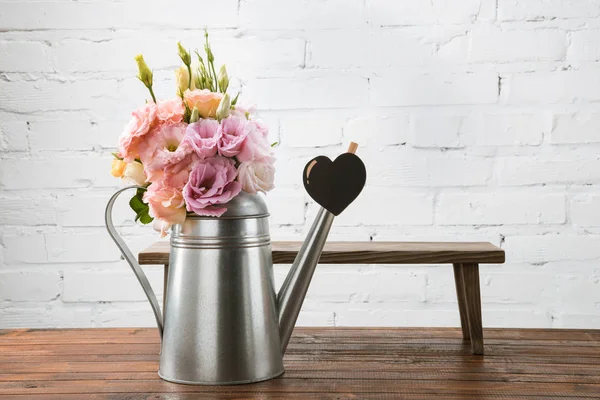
194,152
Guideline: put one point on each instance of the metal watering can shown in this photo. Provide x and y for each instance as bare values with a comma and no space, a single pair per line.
223,322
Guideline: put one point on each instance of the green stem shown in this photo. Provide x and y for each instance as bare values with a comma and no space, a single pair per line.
152,94
212,67
190,75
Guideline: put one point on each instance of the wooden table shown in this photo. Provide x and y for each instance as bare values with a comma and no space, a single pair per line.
465,257
321,363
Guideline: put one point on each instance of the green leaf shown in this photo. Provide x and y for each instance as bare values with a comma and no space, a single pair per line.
116,155
274,144
141,209
234,101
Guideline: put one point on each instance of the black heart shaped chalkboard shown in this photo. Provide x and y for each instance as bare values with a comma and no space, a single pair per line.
335,184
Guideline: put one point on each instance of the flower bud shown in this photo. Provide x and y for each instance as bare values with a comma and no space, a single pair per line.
182,77
134,173
195,115
184,55
144,73
224,107
118,168
223,79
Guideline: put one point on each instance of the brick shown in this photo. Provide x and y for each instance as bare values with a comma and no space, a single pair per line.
553,87
80,247
25,249
118,316
378,130
308,92
408,12
13,136
585,210
401,210
520,171
482,129
584,45
500,209
36,96
109,285
414,90
381,48
29,286
546,248
535,10
311,131
75,172
27,211
418,169
286,207
24,56
436,131
87,209
62,135
45,316
581,127
310,14
489,43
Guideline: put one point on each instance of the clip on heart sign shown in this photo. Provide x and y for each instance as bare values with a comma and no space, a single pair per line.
335,184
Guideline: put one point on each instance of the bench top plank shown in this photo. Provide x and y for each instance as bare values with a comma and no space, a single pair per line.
369,253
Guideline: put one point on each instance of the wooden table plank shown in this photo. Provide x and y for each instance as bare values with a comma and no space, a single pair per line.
322,363
369,253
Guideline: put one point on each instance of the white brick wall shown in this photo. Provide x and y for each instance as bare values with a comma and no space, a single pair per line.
477,119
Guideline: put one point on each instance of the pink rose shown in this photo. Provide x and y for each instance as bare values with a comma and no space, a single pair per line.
170,111
256,146
232,134
166,205
212,181
161,148
204,100
202,137
143,119
256,176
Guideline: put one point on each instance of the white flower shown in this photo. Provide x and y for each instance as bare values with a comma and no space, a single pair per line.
134,173
256,176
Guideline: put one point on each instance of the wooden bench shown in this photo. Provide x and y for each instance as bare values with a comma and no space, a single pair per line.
465,257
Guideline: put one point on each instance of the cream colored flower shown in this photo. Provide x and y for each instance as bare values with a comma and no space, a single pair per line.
134,173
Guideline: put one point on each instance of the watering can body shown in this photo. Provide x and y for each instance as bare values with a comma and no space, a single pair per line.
224,322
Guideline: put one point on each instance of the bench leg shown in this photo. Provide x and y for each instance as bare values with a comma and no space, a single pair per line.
470,273
462,301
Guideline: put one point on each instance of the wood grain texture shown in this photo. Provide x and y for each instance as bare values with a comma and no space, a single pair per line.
322,363
470,283
462,301
369,253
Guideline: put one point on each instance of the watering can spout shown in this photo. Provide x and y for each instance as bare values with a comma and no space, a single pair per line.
294,288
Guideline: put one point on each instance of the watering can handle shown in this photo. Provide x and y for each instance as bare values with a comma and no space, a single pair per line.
137,270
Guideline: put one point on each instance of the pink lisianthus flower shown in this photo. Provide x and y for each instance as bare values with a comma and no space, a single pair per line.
255,147
166,206
232,135
243,110
202,137
212,181
176,174
256,176
140,124
170,111
161,148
